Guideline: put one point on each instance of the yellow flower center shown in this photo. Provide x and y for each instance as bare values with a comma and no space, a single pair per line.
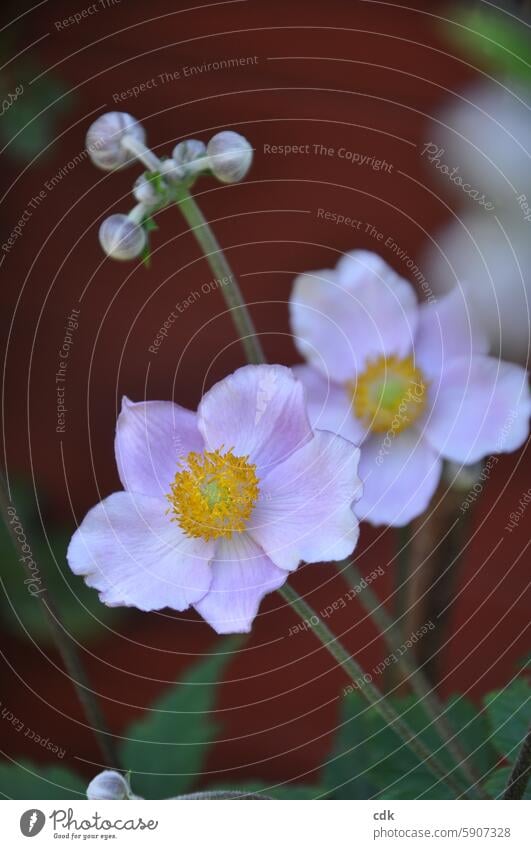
214,495
389,395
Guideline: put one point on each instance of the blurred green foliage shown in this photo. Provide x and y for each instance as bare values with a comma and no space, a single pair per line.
496,39
83,615
167,748
32,102
26,780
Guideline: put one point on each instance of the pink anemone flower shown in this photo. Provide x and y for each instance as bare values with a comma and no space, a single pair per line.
219,506
411,383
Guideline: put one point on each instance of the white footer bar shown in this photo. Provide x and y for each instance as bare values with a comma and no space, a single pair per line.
261,824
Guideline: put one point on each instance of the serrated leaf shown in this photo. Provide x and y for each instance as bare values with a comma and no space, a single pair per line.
497,782
345,770
508,713
27,780
369,759
166,749
472,729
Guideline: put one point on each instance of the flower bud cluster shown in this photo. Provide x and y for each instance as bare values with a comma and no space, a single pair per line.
116,139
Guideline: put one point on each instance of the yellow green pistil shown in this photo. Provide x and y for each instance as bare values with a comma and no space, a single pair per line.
214,494
389,394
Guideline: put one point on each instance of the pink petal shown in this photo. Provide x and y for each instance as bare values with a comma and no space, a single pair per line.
447,329
480,406
361,311
242,576
329,405
305,507
128,549
400,475
151,436
259,411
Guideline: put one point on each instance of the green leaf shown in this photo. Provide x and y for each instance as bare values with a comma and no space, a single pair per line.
284,791
375,758
145,256
26,780
472,729
81,610
369,759
495,38
28,122
508,712
149,224
344,772
166,749
497,782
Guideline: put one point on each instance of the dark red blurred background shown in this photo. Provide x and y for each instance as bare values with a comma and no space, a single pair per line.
365,76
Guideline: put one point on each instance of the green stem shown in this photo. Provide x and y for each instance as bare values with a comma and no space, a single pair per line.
221,794
437,553
66,648
247,333
178,193
415,677
401,571
222,270
521,771
369,691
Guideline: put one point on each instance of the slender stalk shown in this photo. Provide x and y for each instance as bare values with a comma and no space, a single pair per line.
222,270
142,152
221,794
247,333
401,571
213,253
415,676
437,547
369,691
66,648
521,771
245,329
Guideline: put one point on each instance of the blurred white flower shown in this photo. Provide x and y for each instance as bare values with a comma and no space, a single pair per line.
486,135
491,264
486,132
